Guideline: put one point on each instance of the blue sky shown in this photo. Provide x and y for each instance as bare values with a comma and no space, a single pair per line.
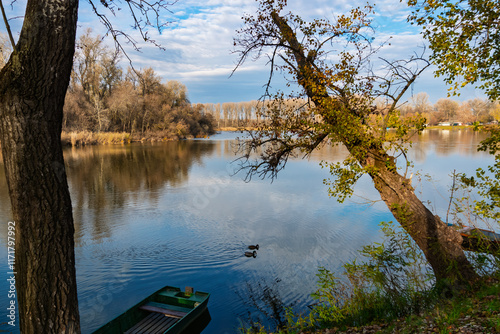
199,44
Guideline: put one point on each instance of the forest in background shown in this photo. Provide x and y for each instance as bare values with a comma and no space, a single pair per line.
103,99
445,110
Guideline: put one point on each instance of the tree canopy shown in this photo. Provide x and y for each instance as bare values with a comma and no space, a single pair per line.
464,37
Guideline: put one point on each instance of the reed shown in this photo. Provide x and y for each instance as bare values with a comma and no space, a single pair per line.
83,138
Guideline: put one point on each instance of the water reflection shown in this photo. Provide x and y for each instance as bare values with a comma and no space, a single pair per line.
108,178
111,176
171,213
447,142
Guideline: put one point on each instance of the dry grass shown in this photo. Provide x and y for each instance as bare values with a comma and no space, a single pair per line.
91,138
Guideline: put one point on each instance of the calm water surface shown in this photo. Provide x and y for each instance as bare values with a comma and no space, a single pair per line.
151,215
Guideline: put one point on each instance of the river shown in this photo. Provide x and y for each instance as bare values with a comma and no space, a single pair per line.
149,215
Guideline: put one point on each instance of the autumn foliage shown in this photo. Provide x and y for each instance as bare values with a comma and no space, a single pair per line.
101,98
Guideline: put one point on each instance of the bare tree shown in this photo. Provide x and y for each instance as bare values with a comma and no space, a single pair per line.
448,108
176,93
495,110
480,109
124,107
420,103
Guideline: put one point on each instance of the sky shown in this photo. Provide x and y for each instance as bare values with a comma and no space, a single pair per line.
199,51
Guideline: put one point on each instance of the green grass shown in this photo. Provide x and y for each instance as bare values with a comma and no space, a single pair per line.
442,127
476,310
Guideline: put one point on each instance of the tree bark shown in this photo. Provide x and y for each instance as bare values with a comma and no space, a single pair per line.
440,243
32,89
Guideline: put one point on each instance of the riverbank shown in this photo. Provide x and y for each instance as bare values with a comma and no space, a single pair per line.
475,311
84,138
391,289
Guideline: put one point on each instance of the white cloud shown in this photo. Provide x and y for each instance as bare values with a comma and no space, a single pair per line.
199,41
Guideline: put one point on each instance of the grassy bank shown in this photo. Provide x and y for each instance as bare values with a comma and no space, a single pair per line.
472,311
83,138
443,127
235,129
476,310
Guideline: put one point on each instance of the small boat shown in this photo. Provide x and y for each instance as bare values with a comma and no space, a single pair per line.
168,310
478,239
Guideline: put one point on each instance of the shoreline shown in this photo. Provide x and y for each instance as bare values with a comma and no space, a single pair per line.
84,138
87,138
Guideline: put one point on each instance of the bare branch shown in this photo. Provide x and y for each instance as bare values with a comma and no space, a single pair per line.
7,25
138,9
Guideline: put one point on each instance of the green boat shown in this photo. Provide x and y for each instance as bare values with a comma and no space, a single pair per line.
168,310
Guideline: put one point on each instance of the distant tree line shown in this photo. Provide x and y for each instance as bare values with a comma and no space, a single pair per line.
250,114
448,110
246,114
102,98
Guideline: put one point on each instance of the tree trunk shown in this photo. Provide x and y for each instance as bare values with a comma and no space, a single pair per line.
440,243
32,89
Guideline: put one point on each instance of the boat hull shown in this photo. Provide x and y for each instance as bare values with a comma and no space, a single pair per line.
168,310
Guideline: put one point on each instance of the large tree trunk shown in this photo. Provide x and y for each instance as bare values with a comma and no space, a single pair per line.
440,243
32,89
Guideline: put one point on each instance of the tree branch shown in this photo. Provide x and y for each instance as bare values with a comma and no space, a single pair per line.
7,25
137,9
